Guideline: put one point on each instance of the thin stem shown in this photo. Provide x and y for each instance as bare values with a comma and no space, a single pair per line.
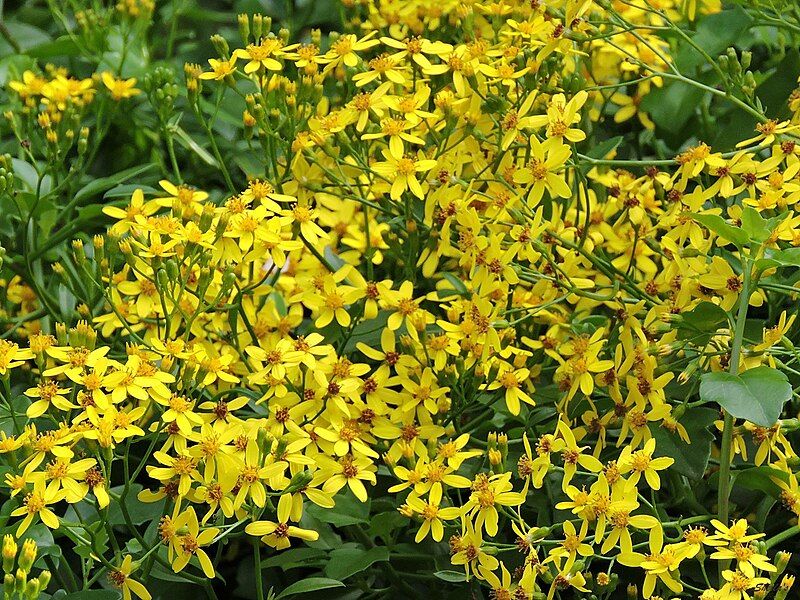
724,489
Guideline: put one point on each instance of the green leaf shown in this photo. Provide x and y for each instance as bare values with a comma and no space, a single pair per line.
383,524
690,459
99,186
787,258
27,36
309,585
349,510
754,225
294,557
187,142
63,46
7,419
758,395
717,224
139,512
776,89
762,479
345,562
673,105
701,322
93,595
602,150
451,576
368,331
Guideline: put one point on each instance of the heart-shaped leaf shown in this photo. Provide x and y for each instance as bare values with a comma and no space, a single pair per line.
757,395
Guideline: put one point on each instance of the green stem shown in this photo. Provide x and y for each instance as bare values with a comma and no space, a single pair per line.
724,489
782,536
259,575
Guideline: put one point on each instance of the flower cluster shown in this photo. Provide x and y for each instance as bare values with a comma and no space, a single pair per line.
429,281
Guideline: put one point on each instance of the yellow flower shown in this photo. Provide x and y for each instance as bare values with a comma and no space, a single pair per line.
571,547
122,580
220,69
259,56
35,505
641,462
276,535
402,173
189,541
343,50
119,88
542,170
661,564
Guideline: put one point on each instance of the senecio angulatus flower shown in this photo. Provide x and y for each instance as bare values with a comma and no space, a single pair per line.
410,298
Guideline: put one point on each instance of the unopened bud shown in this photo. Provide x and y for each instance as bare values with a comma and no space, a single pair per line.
20,581
785,587
32,589
9,553
44,580
782,559
299,481
221,46
244,28
28,555
258,27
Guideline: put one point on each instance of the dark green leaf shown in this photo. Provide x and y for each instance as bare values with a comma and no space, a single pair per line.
673,105
754,225
715,33
383,524
758,395
16,415
294,557
717,224
762,479
701,322
99,186
93,595
602,149
349,510
309,585
345,562
690,459
451,576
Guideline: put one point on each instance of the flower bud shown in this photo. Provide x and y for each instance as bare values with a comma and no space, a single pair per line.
782,559
32,589
244,28
221,46
28,555
20,581
44,580
299,481
9,553
162,279
785,587
258,27
228,281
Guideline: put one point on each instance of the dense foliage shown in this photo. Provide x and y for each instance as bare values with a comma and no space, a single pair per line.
396,299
